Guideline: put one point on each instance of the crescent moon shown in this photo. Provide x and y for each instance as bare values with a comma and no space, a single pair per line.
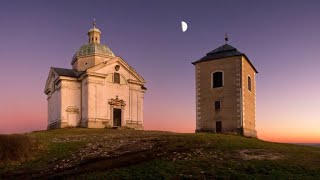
184,26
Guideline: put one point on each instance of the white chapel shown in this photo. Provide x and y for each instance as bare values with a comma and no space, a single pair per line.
101,90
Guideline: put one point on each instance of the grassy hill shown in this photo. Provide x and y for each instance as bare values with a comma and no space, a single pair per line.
129,154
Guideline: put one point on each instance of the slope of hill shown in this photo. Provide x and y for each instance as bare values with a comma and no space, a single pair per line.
129,154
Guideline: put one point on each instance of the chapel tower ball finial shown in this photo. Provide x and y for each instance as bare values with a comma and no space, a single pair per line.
226,38
94,34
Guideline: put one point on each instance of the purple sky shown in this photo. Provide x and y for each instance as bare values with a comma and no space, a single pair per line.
281,38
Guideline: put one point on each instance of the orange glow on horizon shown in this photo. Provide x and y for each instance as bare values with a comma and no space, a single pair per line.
289,137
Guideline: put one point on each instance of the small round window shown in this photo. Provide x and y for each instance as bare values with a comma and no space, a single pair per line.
117,67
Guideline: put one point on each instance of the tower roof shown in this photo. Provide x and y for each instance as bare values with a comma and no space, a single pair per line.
67,72
223,51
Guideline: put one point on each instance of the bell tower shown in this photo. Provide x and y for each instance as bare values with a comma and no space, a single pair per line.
225,92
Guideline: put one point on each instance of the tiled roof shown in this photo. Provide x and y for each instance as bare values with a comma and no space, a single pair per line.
67,72
223,52
93,49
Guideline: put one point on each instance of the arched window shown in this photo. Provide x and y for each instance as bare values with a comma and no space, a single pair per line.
217,79
116,78
249,83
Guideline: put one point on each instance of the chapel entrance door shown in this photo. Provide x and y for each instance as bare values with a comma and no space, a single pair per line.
116,117
218,126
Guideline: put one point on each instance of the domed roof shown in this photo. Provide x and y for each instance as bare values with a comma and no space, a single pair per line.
94,29
93,49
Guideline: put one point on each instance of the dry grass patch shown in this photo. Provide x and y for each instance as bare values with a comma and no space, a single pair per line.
17,148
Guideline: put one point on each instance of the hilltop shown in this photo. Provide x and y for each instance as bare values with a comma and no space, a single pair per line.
130,154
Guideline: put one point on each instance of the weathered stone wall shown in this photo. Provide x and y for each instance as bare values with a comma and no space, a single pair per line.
238,104
229,95
249,99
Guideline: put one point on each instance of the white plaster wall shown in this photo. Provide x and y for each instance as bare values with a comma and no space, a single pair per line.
84,98
140,106
110,68
71,97
111,91
99,92
133,95
94,95
136,103
54,104
97,88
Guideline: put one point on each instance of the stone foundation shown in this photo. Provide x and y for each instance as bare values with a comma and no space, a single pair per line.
134,125
96,124
249,133
205,130
238,131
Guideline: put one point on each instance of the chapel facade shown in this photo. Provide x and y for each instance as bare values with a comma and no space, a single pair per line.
225,92
101,90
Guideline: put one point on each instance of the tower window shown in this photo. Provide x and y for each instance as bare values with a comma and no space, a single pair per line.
116,78
217,105
218,126
217,79
249,83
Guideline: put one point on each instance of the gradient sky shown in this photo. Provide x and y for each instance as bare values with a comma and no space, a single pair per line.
281,38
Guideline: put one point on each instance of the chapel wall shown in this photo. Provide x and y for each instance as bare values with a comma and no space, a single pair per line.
84,102
71,102
86,62
54,110
113,90
83,63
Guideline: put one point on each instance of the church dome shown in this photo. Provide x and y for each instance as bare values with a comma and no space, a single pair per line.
93,49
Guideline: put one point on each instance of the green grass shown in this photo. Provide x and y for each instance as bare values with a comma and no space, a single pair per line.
220,159
162,169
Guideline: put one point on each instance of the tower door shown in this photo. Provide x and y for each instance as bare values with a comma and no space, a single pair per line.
116,117
218,126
